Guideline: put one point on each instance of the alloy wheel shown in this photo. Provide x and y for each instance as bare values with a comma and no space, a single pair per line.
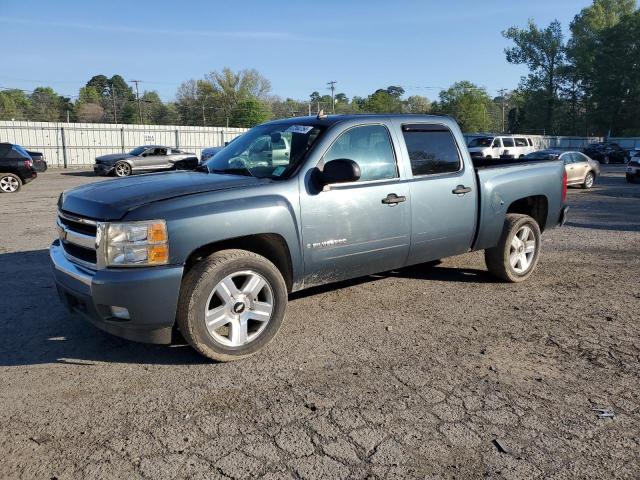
123,170
522,249
239,308
9,184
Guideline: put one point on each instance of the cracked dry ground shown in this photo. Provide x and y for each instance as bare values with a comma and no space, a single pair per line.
411,374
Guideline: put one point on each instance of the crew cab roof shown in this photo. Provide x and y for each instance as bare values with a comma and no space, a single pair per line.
329,120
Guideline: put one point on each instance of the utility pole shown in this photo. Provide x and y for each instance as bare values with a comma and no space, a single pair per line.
332,87
138,99
204,120
309,105
113,96
502,92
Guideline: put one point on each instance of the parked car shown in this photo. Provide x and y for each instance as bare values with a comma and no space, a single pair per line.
207,153
633,168
39,163
16,168
606,152
215,252
500,147
581,170
146,158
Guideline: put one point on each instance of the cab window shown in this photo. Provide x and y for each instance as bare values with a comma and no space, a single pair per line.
370,147
432,149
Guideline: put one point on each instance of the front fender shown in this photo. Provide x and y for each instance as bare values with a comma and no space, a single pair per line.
195,221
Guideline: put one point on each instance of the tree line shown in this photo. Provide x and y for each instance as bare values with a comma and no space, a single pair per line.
588,84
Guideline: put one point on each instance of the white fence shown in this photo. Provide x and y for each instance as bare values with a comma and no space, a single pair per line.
78,144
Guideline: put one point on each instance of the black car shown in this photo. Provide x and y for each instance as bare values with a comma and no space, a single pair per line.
39,162
16,168
606,152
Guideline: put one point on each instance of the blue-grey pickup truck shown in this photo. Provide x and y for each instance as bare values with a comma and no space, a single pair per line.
291,204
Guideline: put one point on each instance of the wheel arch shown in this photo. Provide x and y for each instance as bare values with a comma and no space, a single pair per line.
536,206
272,246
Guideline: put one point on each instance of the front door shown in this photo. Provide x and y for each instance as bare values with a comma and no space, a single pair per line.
443,194
154,157
359,228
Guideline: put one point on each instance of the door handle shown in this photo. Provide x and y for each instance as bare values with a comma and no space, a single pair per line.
393,199
461,190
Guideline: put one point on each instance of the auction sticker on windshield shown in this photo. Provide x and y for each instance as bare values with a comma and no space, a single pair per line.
299,129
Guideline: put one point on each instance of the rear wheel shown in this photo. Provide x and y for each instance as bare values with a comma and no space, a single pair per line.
231,304
516,255
9,183
122,169
588,180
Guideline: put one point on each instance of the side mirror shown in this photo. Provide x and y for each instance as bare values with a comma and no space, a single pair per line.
341,170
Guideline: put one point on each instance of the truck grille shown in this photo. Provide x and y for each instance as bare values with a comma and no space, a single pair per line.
78,238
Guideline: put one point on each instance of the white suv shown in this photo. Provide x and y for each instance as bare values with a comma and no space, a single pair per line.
496,147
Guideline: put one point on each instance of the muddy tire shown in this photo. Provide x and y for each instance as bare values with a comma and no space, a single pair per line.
231,304
515,257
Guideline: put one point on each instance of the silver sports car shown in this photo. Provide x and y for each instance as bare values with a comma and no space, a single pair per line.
147,158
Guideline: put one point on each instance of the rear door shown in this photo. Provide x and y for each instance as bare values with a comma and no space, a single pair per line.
358,228
573,175
442,190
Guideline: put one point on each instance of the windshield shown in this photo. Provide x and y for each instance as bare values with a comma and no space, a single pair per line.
480,142
266,151
137,151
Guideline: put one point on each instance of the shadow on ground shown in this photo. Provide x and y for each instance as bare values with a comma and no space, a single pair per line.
36,328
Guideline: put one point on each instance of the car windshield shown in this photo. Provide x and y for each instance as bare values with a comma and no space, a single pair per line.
481,142
541,155
266,151
137,151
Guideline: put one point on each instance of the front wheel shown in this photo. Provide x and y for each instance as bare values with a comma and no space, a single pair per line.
516,255
122,169
231,304
588,180
9,183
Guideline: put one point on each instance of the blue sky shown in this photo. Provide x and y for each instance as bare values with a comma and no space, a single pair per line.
298,45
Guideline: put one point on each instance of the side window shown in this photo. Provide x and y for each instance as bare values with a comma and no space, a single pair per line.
508,142
369,146
521,142
497,143
530,142
567,158
432,149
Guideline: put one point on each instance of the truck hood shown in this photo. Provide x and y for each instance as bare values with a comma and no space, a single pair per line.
113,157
112,199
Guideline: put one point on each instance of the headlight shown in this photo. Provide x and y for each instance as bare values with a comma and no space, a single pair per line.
135,243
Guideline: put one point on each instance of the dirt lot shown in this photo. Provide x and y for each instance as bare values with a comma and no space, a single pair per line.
426,372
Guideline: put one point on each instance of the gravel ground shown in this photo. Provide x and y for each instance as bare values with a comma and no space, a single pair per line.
431,371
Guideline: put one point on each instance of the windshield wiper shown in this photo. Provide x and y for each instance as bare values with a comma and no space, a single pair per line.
234,171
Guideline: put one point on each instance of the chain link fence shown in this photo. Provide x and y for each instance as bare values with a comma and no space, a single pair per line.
78,144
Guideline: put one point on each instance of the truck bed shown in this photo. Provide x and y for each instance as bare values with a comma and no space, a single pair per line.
501,183
503,162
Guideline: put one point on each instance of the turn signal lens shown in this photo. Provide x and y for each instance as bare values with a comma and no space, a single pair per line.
157,255
157,233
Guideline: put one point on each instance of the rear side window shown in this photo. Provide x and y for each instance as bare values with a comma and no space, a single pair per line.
521,142
432,149
508,142
530,142
369,146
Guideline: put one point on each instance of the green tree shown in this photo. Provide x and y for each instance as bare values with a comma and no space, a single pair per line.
384,101
14,104
249,113
469,104
543,52
45,105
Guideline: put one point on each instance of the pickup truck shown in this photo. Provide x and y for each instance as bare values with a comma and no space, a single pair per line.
213,253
